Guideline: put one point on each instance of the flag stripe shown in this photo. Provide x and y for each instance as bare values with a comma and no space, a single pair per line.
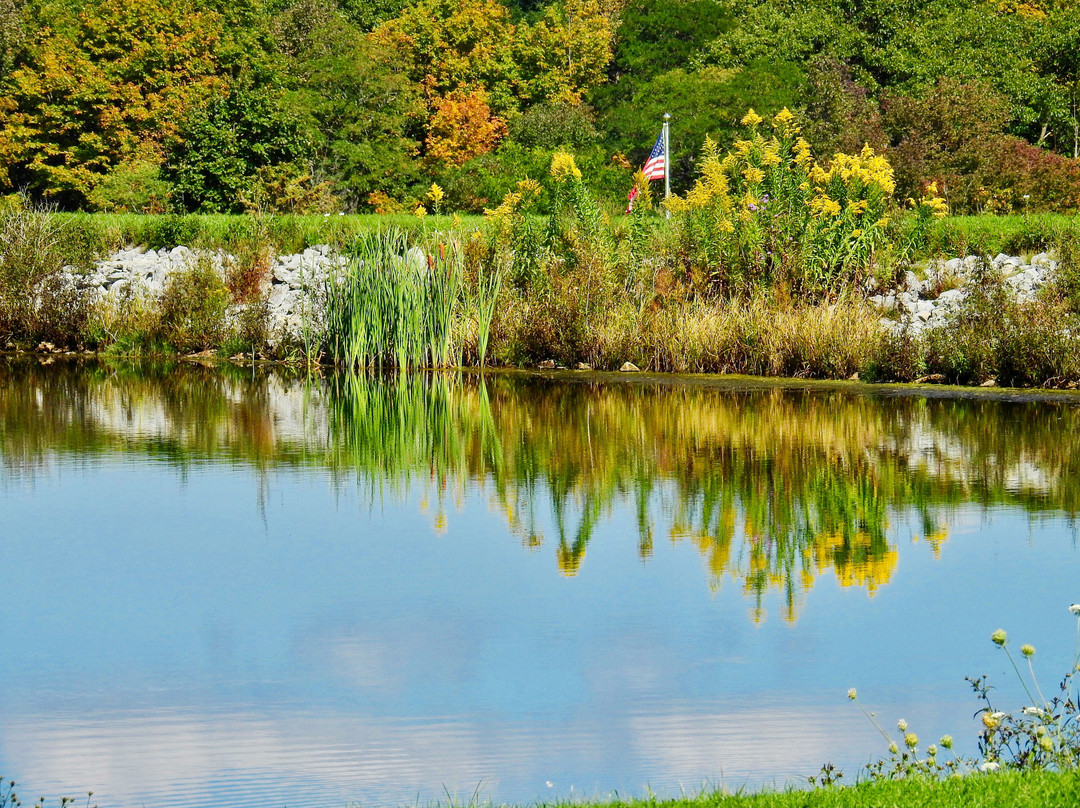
654,166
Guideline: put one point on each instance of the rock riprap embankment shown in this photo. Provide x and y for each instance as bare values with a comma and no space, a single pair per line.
295,284
921,304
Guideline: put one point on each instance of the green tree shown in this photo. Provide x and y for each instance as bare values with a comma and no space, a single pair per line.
102,84
363,115
12,34
1059,60
707,102
218,151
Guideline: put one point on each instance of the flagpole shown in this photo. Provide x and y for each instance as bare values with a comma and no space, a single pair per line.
667,160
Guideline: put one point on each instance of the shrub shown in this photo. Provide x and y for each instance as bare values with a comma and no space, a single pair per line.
994,336
1022,177
250,244
37,300
947,135
174,230
192,308
1067,280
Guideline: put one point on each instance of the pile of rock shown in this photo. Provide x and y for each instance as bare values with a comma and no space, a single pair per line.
295,283
921,304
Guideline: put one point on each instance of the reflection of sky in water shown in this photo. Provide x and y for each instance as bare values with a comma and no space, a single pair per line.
168,642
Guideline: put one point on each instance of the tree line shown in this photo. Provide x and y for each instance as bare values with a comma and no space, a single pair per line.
361,105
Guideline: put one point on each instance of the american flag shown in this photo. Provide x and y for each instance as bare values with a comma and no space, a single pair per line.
654,166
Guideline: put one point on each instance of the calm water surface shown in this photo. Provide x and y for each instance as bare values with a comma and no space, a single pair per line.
230,588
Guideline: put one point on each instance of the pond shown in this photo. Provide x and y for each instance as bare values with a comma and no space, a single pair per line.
239,587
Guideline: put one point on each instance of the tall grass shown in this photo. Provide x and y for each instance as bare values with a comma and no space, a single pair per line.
488,285
394,306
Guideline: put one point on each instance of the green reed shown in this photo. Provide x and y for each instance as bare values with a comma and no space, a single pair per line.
488,284
395,304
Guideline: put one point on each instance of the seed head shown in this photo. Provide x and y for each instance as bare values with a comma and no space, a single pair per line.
851,694
912,740
931,750
1046,744
1075,609
1027,650
999,636
901,725
946,741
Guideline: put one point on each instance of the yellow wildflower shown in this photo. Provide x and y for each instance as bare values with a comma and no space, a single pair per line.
823,205
858,207
771,156
751,118
563,167
528,187
509,205
783,119
753,175
420,212
435,193
802,152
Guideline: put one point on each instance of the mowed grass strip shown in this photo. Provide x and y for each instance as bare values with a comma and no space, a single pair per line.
1037,789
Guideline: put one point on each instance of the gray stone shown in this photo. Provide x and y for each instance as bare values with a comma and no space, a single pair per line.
950,298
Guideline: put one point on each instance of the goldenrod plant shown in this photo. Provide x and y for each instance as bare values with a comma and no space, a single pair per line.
767,212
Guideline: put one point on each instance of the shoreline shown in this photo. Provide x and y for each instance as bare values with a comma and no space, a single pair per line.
733,382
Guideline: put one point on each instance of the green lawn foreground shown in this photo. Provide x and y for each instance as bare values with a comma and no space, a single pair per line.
1003,789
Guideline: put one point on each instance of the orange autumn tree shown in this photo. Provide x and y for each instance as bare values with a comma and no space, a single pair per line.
462,127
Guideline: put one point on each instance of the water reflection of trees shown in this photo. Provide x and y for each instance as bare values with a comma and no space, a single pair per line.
774,487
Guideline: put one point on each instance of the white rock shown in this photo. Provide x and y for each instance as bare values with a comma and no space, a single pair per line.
950,298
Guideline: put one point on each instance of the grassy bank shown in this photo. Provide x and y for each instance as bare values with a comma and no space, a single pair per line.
97,234
999,790
601,304
763,268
